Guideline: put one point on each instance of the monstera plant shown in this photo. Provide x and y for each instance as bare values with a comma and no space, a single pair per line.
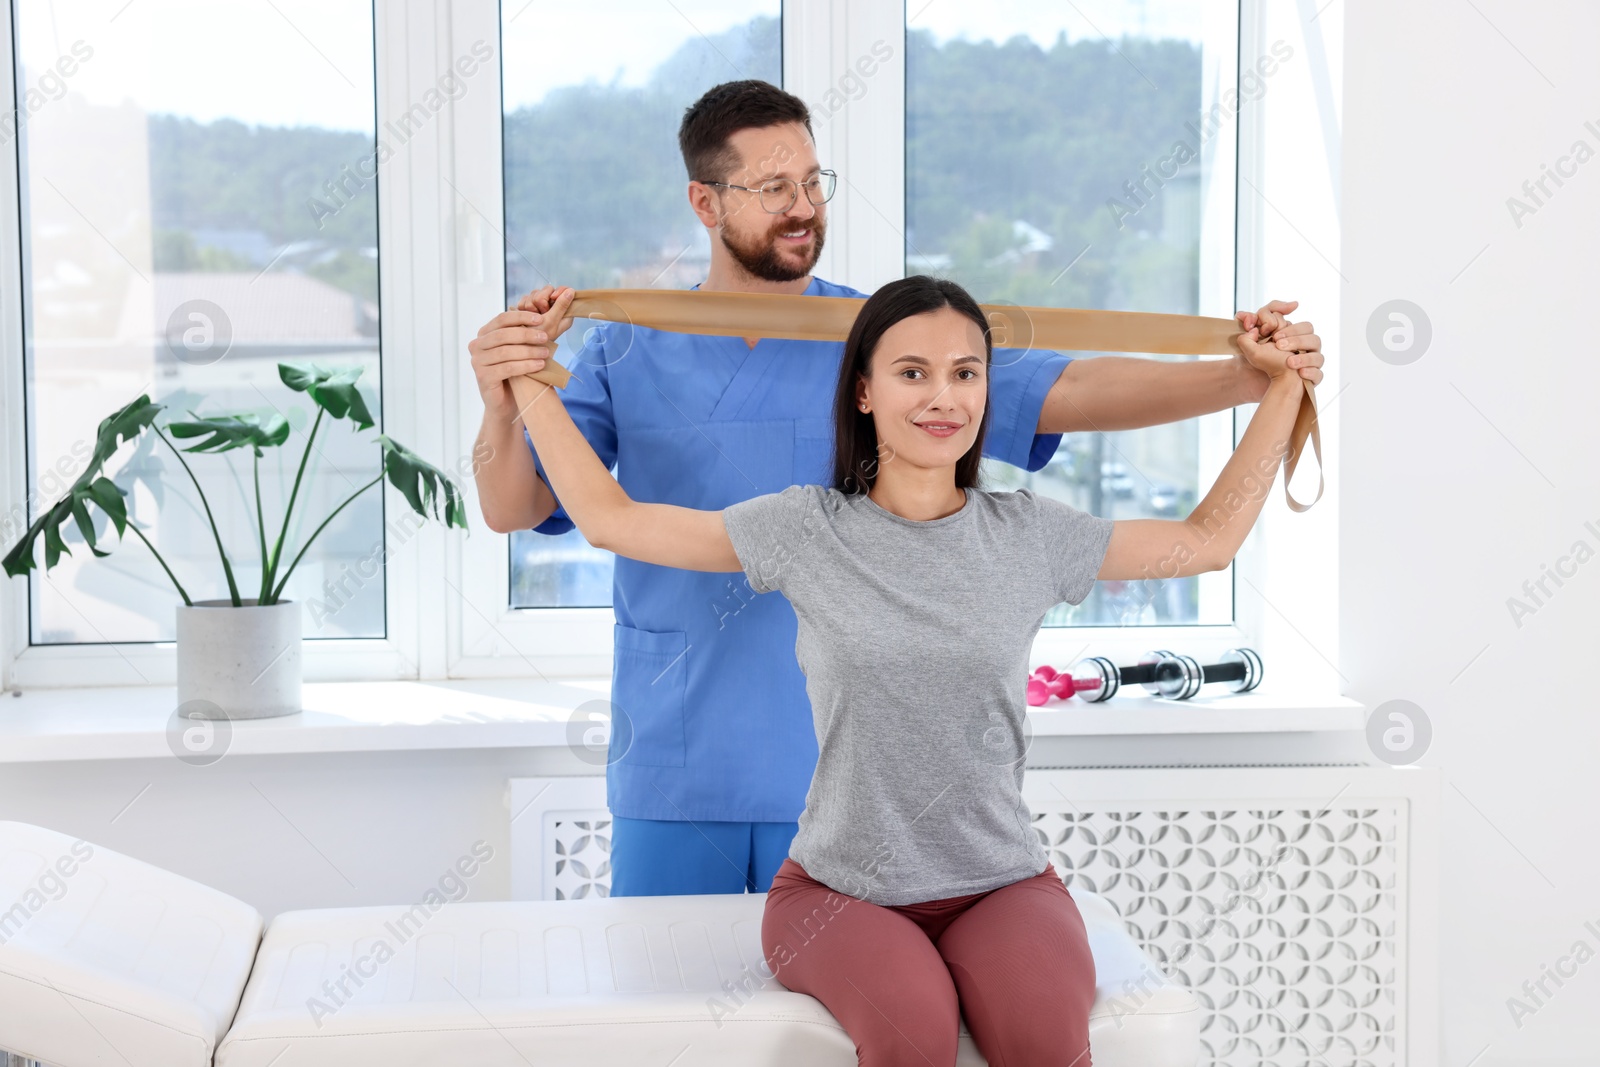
243,663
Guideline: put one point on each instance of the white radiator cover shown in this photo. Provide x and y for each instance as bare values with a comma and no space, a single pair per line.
1298,903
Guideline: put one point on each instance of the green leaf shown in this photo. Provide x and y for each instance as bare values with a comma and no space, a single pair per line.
124,424
297,377
92,487
334,391
227,432
104,492
80,514
54,547
421,483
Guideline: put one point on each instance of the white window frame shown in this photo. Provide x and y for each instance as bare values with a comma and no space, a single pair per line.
440,213
408,325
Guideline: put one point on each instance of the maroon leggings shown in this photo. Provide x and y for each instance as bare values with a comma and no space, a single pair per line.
1017,958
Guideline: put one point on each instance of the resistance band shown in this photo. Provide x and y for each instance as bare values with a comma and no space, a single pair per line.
829,318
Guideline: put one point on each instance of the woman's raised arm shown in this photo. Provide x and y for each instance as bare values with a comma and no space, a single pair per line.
1210,537
666,534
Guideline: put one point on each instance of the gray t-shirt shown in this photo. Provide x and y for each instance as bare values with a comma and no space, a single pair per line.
914,639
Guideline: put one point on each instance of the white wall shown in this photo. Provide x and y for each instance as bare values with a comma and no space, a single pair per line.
290,832
1466,471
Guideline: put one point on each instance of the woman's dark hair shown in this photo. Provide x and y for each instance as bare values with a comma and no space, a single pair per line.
724,110
855,444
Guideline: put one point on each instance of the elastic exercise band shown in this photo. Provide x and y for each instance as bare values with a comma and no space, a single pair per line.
829,318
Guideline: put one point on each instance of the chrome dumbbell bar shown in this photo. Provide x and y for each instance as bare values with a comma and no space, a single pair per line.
1167,674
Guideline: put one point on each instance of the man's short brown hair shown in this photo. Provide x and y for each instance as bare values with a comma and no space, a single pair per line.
724,110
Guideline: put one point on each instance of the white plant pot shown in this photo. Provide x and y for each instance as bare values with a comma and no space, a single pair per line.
240,663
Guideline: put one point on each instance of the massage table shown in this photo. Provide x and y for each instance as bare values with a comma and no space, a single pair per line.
107,960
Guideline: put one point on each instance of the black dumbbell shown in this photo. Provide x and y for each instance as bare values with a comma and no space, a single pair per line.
1172,676
1180,677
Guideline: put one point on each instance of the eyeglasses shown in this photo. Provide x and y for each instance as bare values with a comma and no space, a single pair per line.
779,194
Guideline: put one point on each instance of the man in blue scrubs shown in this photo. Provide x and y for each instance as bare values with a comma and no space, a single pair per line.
712,746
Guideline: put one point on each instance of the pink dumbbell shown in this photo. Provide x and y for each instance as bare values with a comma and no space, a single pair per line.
1046,682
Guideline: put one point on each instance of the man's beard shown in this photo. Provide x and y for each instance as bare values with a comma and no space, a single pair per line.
762,258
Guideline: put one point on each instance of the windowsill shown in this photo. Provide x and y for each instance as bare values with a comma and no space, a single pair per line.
1225,713
46,725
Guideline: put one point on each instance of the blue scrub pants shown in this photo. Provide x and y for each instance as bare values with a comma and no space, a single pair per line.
656,857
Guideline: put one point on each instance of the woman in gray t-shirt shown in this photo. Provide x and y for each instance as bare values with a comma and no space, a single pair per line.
918,595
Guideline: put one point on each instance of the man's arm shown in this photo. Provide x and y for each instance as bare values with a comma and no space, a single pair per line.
1106,393
511,494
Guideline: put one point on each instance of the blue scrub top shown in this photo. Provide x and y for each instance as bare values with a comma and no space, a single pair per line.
711,720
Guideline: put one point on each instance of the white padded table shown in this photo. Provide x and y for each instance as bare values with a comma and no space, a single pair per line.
628,980
107,960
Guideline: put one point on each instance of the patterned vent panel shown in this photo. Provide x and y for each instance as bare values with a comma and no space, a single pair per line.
1284,921
580,851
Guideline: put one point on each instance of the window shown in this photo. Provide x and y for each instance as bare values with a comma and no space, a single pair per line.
1066,205
594,184
191,215
152,161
